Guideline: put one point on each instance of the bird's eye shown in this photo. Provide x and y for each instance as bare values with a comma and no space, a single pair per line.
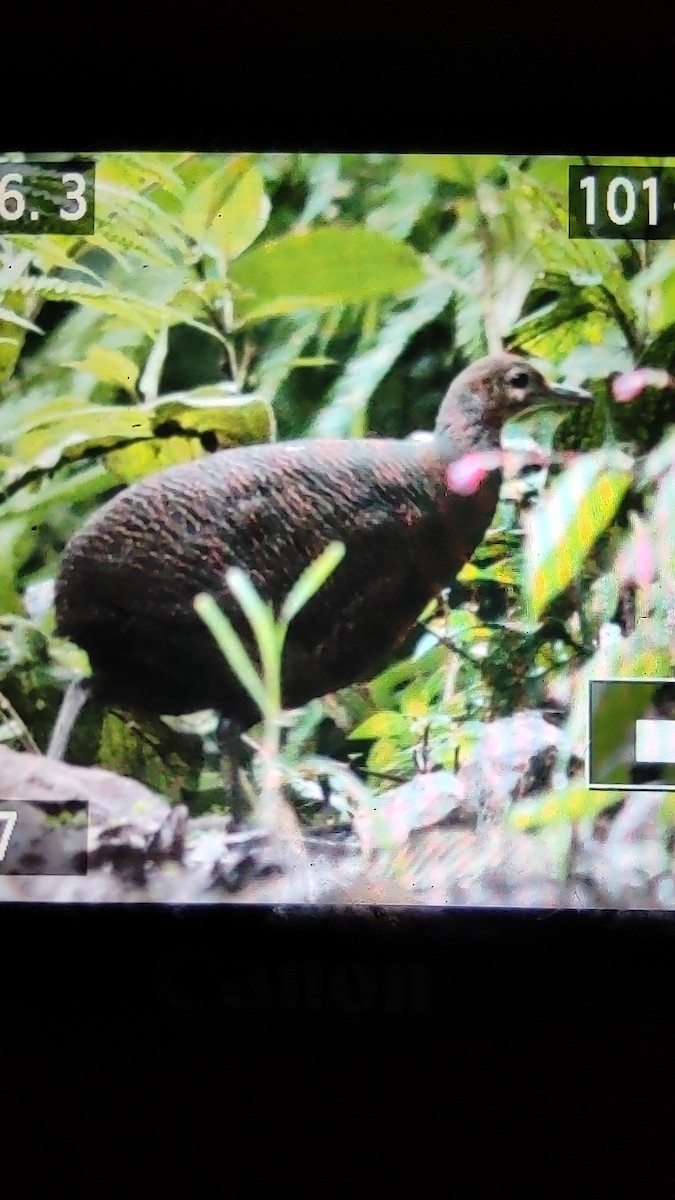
519,379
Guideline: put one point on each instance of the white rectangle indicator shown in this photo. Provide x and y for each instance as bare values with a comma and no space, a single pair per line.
655,741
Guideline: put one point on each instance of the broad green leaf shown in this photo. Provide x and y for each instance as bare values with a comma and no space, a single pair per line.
382,725
73,433
574,333
150,753
239,417
596,361
211,196
241,219
546,171
236,654
322,268
160,434
384,756
311,580
503,573
414,706
12,338
82,489
178,420
152,455
567,522
109,365
122,170
384,688
575,803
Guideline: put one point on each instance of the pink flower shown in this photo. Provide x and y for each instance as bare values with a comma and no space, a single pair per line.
466,475
626,387
636,561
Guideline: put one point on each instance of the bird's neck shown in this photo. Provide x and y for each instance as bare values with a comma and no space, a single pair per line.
462,428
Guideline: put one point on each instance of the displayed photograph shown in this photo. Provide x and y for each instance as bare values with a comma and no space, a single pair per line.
337,557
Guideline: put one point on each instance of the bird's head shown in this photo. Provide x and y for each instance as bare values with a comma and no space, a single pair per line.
491,392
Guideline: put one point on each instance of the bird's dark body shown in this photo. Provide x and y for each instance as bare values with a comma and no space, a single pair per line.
128,579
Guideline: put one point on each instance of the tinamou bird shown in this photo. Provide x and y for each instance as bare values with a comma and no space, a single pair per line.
128,578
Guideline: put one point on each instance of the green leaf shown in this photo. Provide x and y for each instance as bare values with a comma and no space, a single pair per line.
54,250
573,331
159,434
241,219
232,648
235,420
260,617
456,168
211,196
382,725
159,169
504,573
567,522
572,804
239,417
143,314
111,366
312,578
322,268
13,318
71,434
278,362
365,371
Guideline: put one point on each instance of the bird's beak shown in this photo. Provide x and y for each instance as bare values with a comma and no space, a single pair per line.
568,395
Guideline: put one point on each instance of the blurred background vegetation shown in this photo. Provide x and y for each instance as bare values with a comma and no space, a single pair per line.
230,299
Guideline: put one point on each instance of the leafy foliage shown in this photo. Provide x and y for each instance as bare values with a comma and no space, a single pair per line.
227,300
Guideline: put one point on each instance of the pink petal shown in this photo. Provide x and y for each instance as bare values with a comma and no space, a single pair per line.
645,562
466,475
636,561
626,387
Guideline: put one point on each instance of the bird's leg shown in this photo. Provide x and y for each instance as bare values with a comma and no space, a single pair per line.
230,746
74,699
